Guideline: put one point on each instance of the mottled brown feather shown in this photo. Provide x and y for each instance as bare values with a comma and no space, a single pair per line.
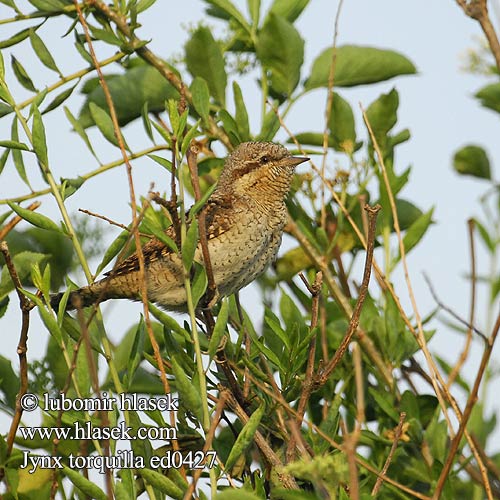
217,221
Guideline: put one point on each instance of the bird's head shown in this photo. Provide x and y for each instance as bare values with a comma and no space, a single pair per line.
259,169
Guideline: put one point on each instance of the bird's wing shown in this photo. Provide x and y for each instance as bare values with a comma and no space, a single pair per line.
217,221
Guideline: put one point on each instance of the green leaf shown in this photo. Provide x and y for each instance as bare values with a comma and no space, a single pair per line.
245,437
382,115
241,115
14,145
5,109
356,65
270,127
35,218
199,284
219,329
48,319
2,67
485,235
189,244
18,37
147,122
42,52
254,11
490,97
188,393
104,123
280,49
80,131
21,75
143,5
472,160
436,436
11,4
9,382
232,12
138,85
201,97
3,159
23,262
288,9
416,231
48,5
342,126
136,352
230,126
190,135
84,485
39,138
407,212
59,99
162,483
204,59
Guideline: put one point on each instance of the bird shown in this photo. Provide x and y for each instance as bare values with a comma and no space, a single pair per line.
244,218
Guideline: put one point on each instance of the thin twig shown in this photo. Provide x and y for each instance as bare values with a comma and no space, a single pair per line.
109,221
478,10
468,341
22,347
286,480
308,382
360,461
471,401
363,291
216,417
449,310
191,154
385,468
119,137
139,46
15,221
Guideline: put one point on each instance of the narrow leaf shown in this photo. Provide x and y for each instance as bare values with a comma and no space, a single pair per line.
82,483
162,483
35,218
22,76
233,13
416,231
219,329
241,115
289,9
104,123
39,138
189,245
42,52
59,99
80,131
245,437
14,145
204,58
188,393
201,97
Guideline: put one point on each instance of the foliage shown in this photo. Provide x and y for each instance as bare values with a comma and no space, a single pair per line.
249,388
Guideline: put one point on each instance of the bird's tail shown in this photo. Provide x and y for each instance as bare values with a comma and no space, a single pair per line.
85,296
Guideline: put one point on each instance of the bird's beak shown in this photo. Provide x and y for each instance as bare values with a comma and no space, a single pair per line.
293,161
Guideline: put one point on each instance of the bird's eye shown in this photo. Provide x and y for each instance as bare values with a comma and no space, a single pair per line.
264,159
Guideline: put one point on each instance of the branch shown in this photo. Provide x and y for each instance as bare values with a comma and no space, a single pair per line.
363,291
22,347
